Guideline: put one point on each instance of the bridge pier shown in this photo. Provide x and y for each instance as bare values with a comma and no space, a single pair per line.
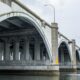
54,38
1,51
37,50
6,51
26,50
74,54
16,51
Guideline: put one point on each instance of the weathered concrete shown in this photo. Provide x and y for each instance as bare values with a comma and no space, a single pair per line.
26,50
7,51
54,37
74,54
16,51
37,50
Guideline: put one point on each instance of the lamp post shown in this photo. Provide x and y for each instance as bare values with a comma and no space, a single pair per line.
53,7
54,40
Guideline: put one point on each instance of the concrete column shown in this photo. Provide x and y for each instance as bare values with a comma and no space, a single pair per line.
26,50
7,51
73,54
37,50
1,51
54,42
54,36
16,51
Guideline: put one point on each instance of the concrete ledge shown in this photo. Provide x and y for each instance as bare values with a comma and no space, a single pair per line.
23,63
29,70
68,70
42,67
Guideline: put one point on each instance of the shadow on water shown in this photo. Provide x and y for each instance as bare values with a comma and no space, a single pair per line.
69,76
14,77
63,76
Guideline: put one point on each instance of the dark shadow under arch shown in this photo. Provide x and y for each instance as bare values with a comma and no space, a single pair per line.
21,26
77,56
64,55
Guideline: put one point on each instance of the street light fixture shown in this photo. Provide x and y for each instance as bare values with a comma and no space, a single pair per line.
53,7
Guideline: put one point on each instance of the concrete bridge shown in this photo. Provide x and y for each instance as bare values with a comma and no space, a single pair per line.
27,42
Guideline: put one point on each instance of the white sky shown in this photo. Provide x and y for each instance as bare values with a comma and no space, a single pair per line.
67,15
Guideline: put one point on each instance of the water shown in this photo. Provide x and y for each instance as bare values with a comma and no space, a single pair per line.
24,77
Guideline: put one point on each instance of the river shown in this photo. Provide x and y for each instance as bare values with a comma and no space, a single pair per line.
62,76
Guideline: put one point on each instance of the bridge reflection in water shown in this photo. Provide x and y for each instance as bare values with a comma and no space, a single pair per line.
23,77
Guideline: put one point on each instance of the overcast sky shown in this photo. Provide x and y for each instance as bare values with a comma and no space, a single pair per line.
67,15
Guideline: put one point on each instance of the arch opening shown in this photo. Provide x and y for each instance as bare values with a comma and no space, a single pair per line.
64,55
23,41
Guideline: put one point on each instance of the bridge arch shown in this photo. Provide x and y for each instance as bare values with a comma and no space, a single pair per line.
28,19
64,54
